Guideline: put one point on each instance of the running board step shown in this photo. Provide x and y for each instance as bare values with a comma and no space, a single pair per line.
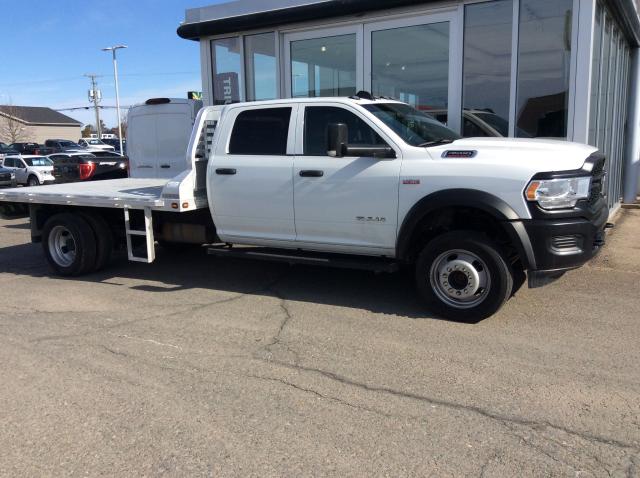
306,258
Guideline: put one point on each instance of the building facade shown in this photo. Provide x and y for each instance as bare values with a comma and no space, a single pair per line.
34,124
562,69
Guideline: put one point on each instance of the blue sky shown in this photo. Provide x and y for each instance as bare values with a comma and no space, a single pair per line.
48,45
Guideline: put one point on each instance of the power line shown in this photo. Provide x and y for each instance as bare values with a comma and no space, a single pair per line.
102,107
77,78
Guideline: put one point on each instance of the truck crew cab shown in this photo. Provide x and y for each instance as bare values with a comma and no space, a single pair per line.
358,181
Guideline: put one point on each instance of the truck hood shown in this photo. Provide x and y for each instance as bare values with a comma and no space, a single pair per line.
541,155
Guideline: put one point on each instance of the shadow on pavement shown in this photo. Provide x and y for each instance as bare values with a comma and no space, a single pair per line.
392,294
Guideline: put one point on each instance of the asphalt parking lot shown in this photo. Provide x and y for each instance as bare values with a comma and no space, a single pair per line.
195,366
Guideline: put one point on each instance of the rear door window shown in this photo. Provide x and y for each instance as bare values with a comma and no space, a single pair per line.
262,132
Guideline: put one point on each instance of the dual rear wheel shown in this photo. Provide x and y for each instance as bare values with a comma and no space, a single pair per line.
77,243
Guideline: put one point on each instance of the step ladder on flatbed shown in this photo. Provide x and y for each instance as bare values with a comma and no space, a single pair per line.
147,233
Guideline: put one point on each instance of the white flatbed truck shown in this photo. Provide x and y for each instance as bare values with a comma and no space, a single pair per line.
350,182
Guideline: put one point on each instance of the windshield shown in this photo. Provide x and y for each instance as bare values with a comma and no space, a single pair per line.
38,161
94,141
69,144
413,126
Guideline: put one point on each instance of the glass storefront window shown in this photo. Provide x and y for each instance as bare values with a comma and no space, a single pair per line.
260,66
411,64
324,66
487,62
544,65
595,76
226,62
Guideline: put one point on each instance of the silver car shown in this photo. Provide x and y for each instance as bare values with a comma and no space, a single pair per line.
30,170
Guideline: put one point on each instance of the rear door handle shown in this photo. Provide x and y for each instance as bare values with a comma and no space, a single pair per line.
226,171
311,173
165,166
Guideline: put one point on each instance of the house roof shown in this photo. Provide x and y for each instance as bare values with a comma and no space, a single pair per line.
38,115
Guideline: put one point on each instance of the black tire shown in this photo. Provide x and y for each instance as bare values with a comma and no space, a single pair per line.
487,279
33,181
103,237
83,245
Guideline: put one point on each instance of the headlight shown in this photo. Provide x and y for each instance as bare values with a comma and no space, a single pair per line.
558,193
13,175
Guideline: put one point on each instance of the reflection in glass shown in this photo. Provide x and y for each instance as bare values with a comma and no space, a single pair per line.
544,63
324,66
411,64
487,62
611,93
225,59
595,76
260,66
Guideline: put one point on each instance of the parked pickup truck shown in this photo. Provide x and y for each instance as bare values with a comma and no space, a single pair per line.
73,167
351,182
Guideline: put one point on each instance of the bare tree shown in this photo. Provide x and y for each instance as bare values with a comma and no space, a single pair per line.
12,130
86,131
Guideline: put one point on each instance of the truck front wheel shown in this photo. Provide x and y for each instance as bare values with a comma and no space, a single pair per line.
69,244
464,276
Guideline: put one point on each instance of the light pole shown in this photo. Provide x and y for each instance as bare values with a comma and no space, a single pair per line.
113,49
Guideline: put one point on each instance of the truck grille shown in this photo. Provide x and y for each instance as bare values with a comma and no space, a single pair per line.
597,183
5,176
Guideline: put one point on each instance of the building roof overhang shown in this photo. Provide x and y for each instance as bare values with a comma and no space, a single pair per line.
243,15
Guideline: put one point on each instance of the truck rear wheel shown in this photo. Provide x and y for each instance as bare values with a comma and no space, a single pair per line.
103,237
464,276
69,244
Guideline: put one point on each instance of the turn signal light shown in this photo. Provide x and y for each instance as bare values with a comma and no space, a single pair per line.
532,189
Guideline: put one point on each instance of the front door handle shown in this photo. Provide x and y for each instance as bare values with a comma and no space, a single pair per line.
226,171
165,166
311,173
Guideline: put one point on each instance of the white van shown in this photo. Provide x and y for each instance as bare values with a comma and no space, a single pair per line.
158,135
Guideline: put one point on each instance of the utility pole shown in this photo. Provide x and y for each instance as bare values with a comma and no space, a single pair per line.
95,95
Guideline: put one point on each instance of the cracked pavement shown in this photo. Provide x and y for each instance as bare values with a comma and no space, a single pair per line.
196,366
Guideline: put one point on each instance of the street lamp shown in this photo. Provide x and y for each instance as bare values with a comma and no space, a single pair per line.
113,49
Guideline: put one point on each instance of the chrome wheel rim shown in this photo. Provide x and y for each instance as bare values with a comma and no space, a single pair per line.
460,279
62,246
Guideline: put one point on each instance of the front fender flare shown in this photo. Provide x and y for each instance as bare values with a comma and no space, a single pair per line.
471,198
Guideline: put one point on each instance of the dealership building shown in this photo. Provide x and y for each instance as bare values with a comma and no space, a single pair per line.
519,68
